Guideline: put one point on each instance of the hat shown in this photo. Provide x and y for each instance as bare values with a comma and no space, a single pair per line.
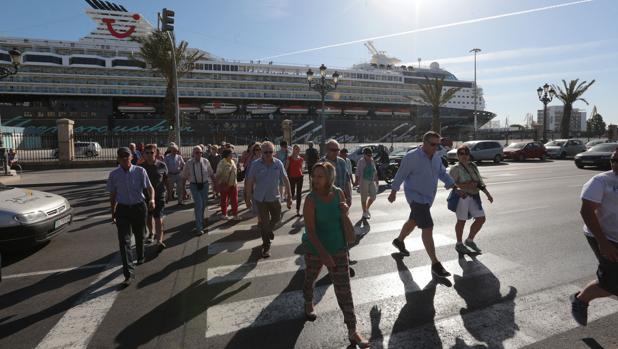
123,151
367,151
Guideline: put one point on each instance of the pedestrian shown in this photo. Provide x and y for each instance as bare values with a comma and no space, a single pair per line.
283,154
420,170
214,157
136,155
157,174
599,211
158,155
343,153
311,157
262,186
126,185
343,179
469,180
228,187
295,173
326,245
367,180
199,173
175,163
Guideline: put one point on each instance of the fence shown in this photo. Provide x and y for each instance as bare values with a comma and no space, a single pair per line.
31,148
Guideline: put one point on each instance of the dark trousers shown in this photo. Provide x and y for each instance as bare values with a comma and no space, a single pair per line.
270,214
130,220
296,185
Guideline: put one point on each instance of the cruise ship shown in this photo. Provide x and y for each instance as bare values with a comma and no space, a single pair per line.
100,82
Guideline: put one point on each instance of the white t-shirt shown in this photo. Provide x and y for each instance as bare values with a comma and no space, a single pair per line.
603,189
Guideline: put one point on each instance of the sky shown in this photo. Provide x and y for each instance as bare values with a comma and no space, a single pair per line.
522,48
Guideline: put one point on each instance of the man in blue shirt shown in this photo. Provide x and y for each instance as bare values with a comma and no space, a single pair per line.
126,185
343,178
420,170
262,184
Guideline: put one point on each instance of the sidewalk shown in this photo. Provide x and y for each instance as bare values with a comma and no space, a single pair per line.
63,177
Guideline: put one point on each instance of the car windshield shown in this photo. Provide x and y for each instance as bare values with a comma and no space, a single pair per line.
517,145
555,143
608,147
592,143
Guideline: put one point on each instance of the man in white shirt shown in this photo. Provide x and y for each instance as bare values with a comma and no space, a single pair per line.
199,173
600,213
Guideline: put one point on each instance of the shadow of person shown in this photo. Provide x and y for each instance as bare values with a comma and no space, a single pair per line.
419,309
377,338
480,289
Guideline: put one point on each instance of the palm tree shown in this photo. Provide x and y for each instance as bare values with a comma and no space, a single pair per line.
571,93
155,51
432,95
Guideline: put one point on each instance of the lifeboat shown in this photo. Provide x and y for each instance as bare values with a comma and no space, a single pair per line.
219,108
401,112
256,109
294,109
384,112
136,107
329,110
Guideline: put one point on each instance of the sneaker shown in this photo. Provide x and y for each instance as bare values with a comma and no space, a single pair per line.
438,270
271,235
236,218
265,251
139,262
401,246
127,281
365,215
461,248
472,245
160,247
199,232
579,310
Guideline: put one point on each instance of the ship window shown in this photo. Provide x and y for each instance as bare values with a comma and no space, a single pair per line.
128,63
5,57
216,66
87,60
42,59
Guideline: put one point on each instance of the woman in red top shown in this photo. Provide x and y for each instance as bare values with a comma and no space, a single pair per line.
295,173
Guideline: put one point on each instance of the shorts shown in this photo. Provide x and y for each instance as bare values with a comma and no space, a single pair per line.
420,214
607,272
368,189
468,207
157,212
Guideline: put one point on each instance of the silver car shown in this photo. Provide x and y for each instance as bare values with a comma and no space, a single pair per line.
561,148
28,217
479,151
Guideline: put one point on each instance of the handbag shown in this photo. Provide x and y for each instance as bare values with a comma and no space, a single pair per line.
452,200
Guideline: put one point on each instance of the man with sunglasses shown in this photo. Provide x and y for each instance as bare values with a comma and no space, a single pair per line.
599,211
126,185
157,174
420,169
262,185
343,178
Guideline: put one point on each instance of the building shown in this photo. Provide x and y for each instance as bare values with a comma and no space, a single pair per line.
554,118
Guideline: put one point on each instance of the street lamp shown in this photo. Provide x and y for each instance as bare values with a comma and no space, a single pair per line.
15,55
323,86
475,50
546,94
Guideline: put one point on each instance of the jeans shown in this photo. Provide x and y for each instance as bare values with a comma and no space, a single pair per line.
200,199
130,220
296,186
270,215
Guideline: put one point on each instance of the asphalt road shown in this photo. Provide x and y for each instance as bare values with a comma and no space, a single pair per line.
214,292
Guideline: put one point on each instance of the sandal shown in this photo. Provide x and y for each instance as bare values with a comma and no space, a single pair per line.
357,340
310,315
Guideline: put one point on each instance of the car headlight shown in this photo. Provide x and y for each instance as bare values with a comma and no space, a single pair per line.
67,204
31,217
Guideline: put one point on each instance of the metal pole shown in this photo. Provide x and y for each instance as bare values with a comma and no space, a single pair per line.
323,142
544,120
475,89
176,92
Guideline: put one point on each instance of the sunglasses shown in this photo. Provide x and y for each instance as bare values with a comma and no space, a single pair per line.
256,149
149,152
267,152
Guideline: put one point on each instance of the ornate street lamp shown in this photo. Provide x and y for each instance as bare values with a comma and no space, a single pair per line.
15,55
546,95
323,86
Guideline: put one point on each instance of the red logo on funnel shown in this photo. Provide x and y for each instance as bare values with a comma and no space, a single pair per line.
110,27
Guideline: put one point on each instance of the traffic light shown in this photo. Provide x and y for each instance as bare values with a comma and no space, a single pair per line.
167,20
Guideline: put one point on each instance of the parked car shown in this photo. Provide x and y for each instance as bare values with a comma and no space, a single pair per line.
523,151
87,149
396,156
561,148
29,217
479,151
595,142
597,156
379,151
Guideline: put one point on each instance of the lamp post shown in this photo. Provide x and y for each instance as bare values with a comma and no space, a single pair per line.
475,50
323,86
546,94
15,55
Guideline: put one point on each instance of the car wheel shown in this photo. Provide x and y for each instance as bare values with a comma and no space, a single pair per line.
563,155
543,157
521,157
497,159
89,153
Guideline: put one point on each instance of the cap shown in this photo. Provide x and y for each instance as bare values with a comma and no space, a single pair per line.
123,151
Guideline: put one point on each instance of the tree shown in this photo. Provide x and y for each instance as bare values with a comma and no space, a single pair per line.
569,94
156,51
432,95
596,126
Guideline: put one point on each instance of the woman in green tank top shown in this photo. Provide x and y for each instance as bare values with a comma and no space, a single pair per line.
326,245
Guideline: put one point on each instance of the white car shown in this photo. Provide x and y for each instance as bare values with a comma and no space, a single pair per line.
561,148
29,217
87,149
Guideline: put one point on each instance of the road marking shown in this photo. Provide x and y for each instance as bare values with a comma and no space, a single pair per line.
54,271
78,324
534,317
292,264
287,239
522,210
233,316
540,179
